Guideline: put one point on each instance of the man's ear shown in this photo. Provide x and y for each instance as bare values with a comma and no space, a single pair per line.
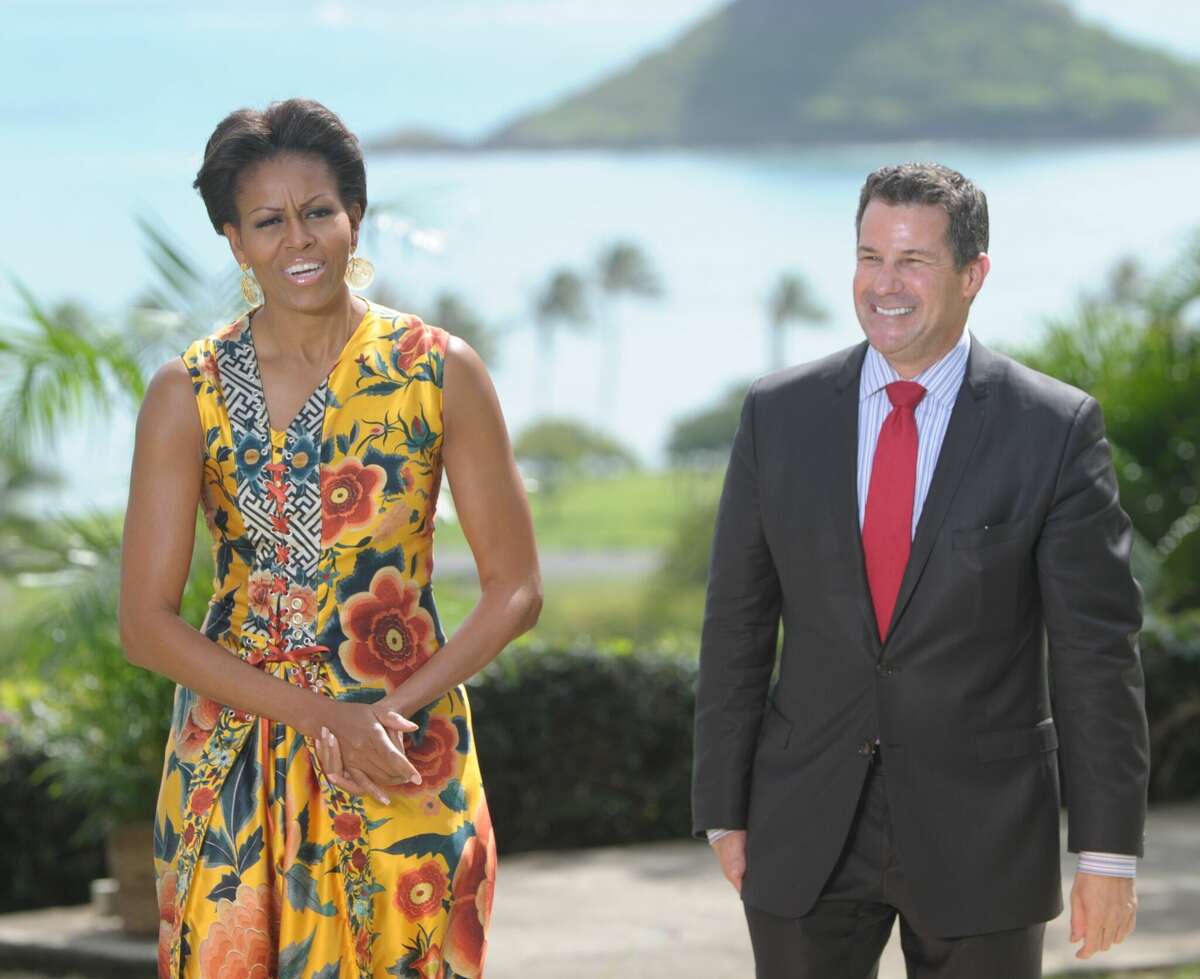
976,271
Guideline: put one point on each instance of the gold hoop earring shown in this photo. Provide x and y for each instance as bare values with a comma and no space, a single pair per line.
359,273
251,290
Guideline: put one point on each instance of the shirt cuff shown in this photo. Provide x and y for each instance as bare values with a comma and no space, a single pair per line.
1106,864
716,834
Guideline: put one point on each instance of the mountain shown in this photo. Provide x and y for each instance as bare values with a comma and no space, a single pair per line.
801,71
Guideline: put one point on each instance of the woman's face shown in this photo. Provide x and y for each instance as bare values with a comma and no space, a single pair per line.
294,231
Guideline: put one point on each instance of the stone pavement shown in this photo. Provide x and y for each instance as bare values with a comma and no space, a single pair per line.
654,910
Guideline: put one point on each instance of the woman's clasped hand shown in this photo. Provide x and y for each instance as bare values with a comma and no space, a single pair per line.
362,752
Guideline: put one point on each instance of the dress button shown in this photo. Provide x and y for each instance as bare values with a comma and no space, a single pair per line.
867,748
297,618
297,603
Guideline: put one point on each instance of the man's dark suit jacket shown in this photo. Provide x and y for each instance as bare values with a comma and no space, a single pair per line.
1021,555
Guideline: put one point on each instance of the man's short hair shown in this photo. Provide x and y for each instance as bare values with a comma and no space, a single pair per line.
931,183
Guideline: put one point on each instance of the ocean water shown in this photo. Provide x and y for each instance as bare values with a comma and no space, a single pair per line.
719,229
104,109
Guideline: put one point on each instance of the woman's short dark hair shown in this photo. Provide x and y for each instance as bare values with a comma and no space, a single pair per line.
247,137
932,183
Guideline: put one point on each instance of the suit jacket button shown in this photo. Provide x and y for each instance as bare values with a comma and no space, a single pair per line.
867,748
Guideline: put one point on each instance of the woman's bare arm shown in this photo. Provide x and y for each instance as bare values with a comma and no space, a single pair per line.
491,505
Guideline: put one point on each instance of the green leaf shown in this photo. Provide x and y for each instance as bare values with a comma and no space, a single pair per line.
293,960
311,853
250,851
241,784
454,797
382,387
303,894
218,850
226,888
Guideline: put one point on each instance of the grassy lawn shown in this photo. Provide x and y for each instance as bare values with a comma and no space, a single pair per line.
579,611
636,511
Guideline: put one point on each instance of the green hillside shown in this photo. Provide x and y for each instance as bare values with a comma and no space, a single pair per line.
797,71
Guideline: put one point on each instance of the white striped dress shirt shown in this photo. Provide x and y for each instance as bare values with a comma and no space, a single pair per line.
941,381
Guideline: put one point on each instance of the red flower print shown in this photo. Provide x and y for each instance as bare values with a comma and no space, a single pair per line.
202,799
358,859
166,887
415,343
362,947
239,945
209,370
233,330
390,635
420,892
350,497
347,825
300,601
189,834
429,965
474,880
258,593
198,725
434,758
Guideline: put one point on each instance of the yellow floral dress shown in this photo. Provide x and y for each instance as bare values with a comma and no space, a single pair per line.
322,544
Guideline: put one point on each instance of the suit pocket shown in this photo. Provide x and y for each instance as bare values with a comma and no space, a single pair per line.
776,729
1016,743
988,535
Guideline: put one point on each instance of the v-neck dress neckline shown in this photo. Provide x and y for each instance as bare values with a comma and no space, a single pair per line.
276,436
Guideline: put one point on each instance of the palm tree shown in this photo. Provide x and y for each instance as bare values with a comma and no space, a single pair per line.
790,302
181,303
57,367
452,313
623,269
562,302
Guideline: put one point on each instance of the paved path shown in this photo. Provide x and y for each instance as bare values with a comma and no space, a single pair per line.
665,910
654,910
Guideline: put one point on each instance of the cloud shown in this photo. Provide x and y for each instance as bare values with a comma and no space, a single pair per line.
334,14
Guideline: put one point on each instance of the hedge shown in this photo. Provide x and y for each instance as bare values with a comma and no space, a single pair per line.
579,748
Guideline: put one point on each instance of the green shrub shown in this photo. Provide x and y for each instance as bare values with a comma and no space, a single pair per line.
585,748
557,448
704,437
1171,656
46,862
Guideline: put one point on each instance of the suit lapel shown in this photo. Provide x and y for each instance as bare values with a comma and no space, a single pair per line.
962,434
841,484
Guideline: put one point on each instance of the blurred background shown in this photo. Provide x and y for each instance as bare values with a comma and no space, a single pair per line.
631,210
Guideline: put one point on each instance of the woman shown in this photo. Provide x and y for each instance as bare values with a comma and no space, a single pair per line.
321,811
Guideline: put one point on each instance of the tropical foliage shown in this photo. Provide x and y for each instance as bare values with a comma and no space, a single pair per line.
765,72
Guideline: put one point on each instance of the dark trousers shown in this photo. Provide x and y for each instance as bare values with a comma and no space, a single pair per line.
844,934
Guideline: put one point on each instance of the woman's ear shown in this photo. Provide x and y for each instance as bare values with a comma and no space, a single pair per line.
233,236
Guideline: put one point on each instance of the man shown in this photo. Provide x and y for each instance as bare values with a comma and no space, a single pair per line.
938,529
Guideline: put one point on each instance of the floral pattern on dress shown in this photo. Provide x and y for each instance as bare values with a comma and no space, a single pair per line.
322,542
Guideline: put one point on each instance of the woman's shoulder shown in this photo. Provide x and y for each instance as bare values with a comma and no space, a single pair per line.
408,329
409,348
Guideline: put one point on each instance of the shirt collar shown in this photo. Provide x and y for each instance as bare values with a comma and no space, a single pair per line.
941,380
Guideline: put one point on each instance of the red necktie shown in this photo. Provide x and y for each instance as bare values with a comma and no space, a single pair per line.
887,527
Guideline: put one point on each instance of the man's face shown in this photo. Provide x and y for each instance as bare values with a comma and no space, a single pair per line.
910,300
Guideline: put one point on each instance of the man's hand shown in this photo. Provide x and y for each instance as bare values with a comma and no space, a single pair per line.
731,853
1103,912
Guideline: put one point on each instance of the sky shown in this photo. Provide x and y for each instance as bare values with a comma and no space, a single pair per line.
69,62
